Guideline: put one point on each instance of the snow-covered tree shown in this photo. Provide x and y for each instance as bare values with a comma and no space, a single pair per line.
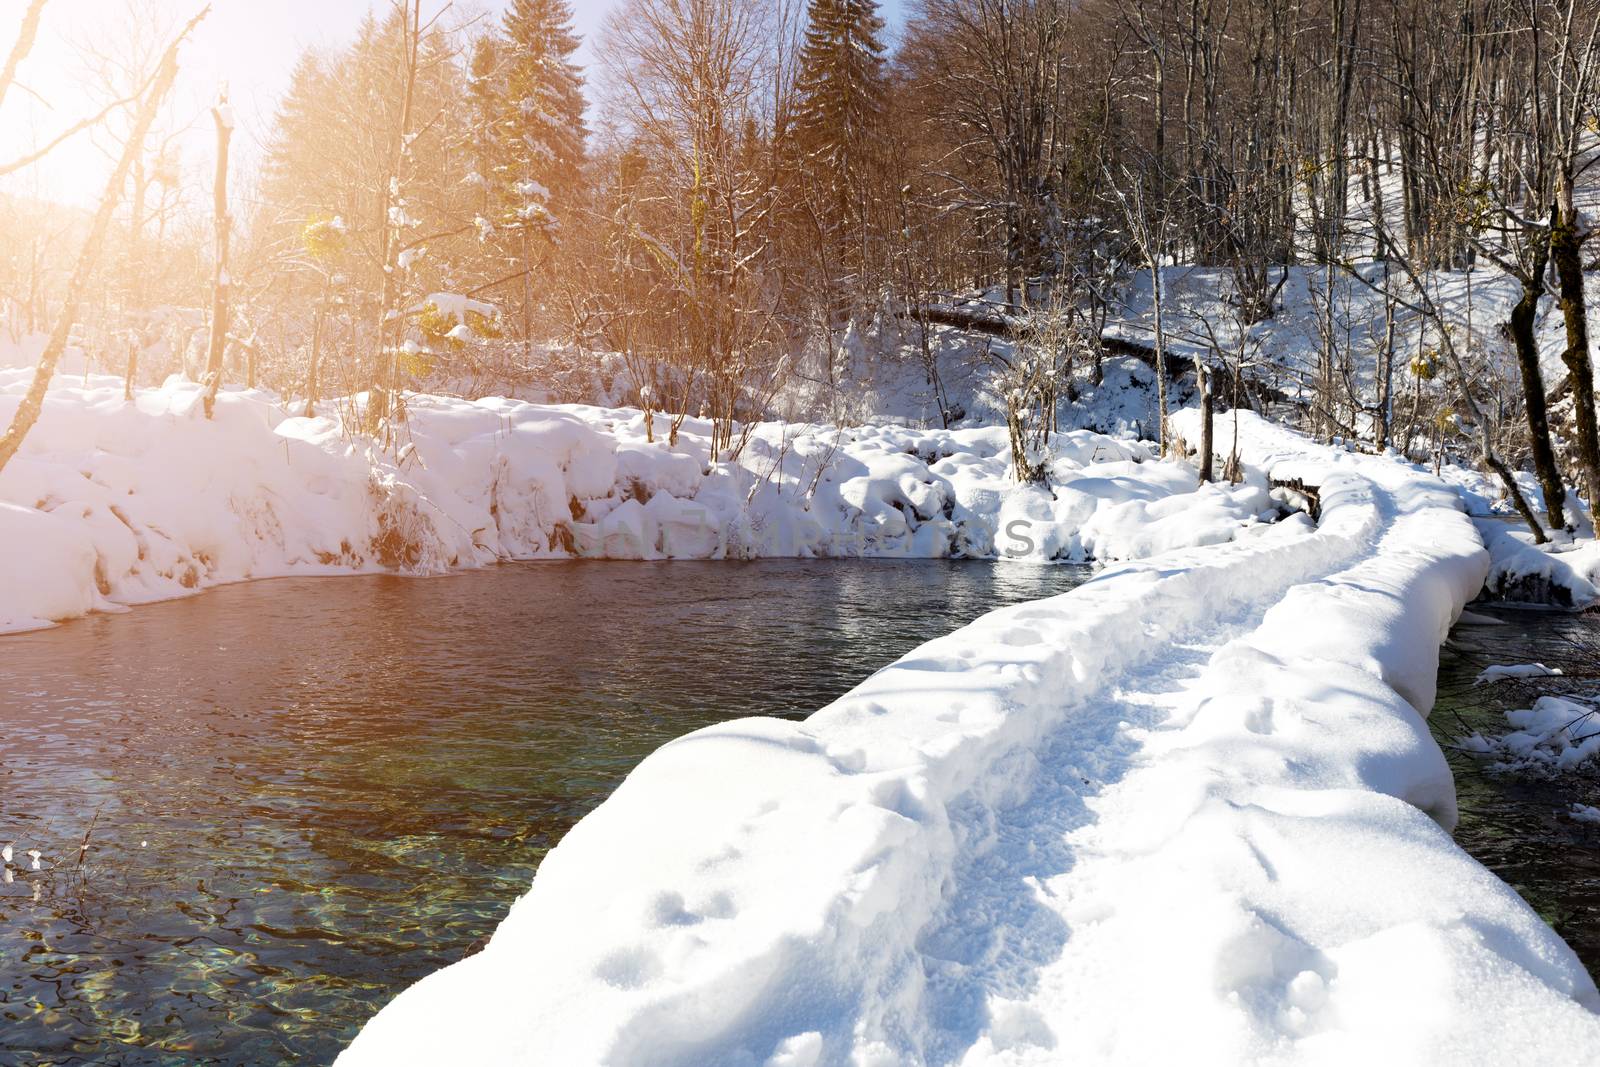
839,91
830,144
485,110
542,130
541,134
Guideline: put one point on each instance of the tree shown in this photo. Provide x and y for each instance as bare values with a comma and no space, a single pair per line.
1148,226
539,165
839,99
995,73
691,76
486,108
1572,75
222,221
160,85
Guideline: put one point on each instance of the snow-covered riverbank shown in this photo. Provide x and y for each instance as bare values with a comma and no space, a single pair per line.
112,503
1188,812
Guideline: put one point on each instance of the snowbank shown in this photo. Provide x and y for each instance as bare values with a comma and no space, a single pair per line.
112,503
1561,572
1086,829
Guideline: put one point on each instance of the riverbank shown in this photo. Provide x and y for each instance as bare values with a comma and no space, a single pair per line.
112,503
1199,787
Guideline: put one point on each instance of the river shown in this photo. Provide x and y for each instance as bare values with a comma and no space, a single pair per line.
301,795
1519,826
293,798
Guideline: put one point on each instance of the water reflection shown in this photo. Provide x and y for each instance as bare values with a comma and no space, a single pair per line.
299,796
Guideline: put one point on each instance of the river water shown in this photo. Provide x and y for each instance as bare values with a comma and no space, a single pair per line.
294,798
1516,825
299,796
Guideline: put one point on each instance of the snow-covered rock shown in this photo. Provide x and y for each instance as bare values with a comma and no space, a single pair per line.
1561,572
1559,733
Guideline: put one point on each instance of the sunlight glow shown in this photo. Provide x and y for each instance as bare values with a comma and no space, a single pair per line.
249,45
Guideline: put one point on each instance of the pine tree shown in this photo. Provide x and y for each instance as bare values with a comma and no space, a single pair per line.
838,103
297,136
542,133
840,90
487,108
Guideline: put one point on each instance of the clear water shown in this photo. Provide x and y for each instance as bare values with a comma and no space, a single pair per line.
1518,826
299,796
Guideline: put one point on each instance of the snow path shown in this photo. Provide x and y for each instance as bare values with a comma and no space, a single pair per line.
1188,812
1009,916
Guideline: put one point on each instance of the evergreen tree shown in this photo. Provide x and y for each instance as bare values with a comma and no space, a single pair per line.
542,133
840,90
299,138
839,98
486,104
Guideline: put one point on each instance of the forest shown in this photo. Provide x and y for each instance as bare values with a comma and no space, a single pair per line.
750,207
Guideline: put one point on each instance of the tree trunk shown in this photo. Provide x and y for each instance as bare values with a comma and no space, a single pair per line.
1386,369
1324,422
527,301
221,283
1161,352
1520,327
383,402
136,264
1566,253
1207,408
316,354
133,367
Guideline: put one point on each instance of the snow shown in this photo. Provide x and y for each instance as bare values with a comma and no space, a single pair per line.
1557,734
1500,672
1198,786
533,190
41,542
1188,812
456,306
1199,302
114,503
1584,813
1563,571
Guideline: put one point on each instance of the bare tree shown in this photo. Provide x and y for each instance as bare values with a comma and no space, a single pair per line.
27,34
1426,307
1149,226
221,284
691,77
89,254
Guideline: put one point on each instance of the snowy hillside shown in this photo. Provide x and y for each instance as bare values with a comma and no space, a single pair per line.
1201,318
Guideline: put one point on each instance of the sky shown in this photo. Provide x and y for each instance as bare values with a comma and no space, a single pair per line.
251,45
